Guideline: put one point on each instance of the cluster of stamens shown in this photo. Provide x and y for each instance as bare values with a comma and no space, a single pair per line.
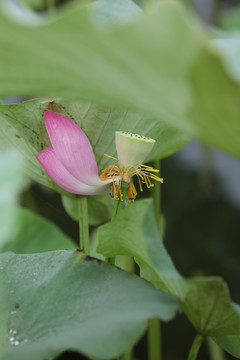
145,174
119,174
113,172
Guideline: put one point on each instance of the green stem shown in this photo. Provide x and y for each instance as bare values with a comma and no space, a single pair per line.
124,189
154,330
115,209
114,214
118,206
197,342
83,224
129,264
216,353
154,340
156,195
128,355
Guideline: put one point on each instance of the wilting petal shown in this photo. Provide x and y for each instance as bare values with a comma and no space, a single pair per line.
71,146
62,176
132,149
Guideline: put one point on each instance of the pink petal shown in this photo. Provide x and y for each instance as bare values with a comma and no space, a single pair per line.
63,178
71,146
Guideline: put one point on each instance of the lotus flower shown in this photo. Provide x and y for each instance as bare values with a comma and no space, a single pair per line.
71,163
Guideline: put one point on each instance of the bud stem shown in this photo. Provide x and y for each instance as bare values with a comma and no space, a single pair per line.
118,206
83,224
197,342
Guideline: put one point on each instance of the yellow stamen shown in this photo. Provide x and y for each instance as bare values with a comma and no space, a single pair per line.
154,177
148,182
139,174
144,174
117,192
148,168
110,171
132,192
111,157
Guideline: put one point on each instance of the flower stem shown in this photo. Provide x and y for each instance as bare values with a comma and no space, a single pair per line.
128,355
197,342
156,195
154,340
128,266
114,214
83,224
216,353
124,189
154,330
115,209
118,206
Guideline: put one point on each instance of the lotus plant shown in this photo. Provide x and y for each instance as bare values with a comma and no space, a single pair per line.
71,163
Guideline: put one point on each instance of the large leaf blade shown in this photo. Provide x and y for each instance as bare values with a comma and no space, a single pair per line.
60,300
139,74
